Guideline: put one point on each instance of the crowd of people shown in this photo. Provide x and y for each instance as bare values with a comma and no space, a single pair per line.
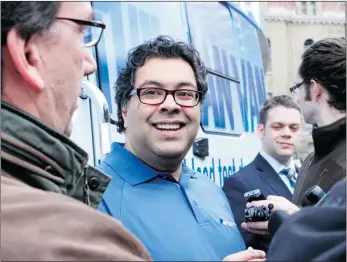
141,203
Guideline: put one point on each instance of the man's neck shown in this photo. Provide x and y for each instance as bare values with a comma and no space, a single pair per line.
282,160
329,116
177,174
21,98
172,166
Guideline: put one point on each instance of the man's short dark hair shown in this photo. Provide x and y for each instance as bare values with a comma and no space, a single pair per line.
162,46
282,100
325,62
29,17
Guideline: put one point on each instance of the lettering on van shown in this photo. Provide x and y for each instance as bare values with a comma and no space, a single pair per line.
217,171
231,107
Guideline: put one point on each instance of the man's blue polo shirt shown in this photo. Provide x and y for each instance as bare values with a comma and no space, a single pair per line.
189,220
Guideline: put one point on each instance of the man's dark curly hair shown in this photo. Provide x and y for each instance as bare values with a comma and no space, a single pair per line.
325,62
162,46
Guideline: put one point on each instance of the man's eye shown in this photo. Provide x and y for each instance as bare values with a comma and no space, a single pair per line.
151,92
185,93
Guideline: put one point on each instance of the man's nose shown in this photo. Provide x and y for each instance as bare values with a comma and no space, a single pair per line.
286,132
169,104
89,63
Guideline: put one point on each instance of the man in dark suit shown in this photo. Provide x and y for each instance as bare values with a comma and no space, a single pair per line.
273,170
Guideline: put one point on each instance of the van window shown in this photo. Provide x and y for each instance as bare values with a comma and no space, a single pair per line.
217,44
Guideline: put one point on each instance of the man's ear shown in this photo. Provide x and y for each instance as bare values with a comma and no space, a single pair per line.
261,130
316,90
25,57
124,109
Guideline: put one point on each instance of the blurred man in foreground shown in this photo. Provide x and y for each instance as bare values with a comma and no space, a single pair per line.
314,234
44,175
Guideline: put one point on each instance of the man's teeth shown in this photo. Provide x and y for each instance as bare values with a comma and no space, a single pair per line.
168,126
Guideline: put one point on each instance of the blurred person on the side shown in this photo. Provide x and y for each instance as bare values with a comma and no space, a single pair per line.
44,175
316,233
321,95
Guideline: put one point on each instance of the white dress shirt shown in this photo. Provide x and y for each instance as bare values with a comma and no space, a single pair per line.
278,167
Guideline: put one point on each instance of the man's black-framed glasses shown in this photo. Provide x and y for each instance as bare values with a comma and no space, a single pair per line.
294,87
92,30
156,96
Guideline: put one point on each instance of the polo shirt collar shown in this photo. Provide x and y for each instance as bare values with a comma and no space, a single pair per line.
133,170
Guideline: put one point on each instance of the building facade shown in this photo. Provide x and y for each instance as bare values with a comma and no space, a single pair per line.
291,27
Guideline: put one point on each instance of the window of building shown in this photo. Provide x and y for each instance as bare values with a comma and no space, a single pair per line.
303,8
313,9
308,8
308,42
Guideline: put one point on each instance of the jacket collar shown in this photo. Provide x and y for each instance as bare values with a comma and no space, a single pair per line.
272,179
326,138
30,140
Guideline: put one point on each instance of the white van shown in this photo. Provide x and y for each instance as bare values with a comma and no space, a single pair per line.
232,44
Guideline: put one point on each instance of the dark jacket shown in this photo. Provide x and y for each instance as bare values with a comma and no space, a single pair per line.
259,174
327,164
43,174
315,233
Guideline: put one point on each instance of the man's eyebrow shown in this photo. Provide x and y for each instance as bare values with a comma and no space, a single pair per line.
184,84
281,123
156,83
151,82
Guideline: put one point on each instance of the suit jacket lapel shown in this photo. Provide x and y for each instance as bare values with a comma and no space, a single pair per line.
269,175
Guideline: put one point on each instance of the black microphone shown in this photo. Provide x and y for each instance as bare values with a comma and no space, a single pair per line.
312,196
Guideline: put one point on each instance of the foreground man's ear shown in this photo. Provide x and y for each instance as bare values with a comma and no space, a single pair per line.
25,58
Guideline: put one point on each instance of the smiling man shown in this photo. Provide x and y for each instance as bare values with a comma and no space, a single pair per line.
177,213
273,170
